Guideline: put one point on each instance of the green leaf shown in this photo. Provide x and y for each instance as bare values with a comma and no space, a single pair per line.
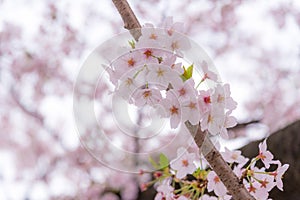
188,73
153,163
163,161
132,44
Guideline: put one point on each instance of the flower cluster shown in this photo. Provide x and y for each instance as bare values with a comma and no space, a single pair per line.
182,179
152,74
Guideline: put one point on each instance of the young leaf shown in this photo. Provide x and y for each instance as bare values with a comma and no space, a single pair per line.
153,163
163,161
188,73
132,44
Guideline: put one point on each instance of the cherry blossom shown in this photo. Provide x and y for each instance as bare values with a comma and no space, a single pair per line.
213,121
204,99
127,86
257,191
172,109
221,96
190,111
279,173
215,184
170,26
177,43
183,164
264,155
151,37
208,74
146,96
164,192
229,122
184,90
163,75
233,156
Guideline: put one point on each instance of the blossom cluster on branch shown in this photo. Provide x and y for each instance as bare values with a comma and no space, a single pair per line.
185,177
151,74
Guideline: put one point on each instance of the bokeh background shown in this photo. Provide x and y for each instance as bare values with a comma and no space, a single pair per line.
255,46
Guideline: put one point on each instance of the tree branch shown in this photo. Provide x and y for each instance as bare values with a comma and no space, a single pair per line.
214,158
218,164
245,124
130,21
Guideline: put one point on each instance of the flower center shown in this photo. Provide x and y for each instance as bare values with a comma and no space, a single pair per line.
182,92
130,62
148,53
160,72
147,94
207,99
216,179
185,163
153,36
174,110
192,105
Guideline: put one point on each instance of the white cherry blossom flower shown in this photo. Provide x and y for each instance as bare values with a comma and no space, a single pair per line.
184,163
233,156
264,155
215,184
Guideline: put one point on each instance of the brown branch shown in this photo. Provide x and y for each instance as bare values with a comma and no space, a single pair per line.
212,155
218,164
131,23
242,125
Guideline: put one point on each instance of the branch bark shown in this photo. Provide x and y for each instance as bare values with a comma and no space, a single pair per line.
131,23
218,164
212,155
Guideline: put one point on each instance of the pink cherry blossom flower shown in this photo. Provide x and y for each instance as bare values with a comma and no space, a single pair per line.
279,173
164,192
126,63
177,68
204,99
177,43
215,184
190,111
265,180
127,86
184,90
221,96
149,55
238,170
183,164
162,75
207,197
147,96
170,26
257,191
233,156
151,37
167,58
230,121
213,121
264,155
172,109
208,74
